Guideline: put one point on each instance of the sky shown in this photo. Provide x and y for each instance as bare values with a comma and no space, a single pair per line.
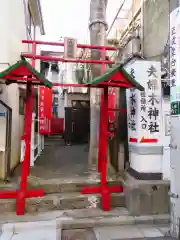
70,18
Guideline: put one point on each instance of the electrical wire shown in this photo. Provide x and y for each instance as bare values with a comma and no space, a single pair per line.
110,28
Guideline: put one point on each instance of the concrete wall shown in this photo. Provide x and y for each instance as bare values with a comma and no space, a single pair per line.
13,30
155,28
173,4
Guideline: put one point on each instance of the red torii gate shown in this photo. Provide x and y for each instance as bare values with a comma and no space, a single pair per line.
22,72
116,77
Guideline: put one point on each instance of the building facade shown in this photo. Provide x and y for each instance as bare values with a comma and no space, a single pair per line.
22,19
141,36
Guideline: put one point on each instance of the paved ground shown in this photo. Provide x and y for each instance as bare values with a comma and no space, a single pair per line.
83,224
60,161
49,231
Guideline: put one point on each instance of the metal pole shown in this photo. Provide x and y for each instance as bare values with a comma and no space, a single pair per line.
104,144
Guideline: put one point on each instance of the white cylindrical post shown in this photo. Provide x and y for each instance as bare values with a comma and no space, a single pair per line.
32,141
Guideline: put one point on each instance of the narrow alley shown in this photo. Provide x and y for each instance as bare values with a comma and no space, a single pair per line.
89,119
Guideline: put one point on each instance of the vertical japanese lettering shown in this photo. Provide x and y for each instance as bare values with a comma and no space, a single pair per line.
132,103
153,101
173,57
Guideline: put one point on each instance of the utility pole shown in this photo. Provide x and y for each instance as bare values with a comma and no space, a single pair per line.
98,27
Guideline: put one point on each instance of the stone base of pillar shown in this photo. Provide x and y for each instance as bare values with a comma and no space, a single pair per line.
146,197
145,162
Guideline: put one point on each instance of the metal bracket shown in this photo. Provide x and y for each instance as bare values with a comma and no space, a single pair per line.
98,21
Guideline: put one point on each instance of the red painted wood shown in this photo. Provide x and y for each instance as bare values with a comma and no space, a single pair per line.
132,139
90,190
57,125
35,193
103,189
105,199
26,161
117,110
118,77
62,44
111,104
103,52
21,70
59,59
8,194
115,189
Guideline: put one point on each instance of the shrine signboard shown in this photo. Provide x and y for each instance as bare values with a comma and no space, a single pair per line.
45,110
175,61
145,108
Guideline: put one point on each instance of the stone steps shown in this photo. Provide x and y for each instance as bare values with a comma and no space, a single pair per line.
66,186
82,219
107,221
58,201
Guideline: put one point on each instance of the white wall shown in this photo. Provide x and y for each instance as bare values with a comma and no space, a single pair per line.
13,31
16,30
166,141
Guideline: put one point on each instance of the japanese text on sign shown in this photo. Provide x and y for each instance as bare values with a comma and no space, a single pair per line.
174,61
41,109
173,57
132,106
144,107
153,100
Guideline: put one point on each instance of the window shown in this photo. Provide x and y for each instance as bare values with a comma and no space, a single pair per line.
21,105
30,26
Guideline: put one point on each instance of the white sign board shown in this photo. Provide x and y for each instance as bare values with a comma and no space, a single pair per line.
146,111
175,61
